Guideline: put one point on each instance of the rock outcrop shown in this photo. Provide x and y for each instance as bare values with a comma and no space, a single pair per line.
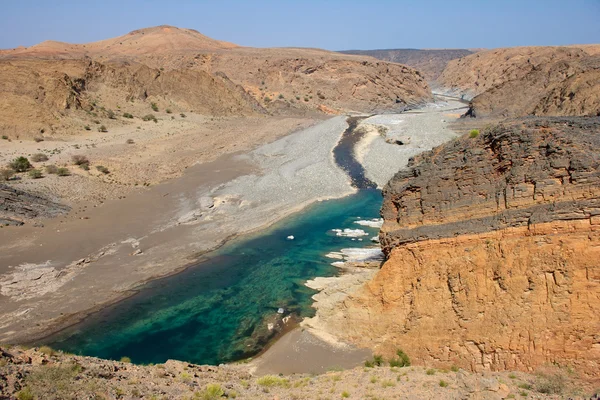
17,205
492,248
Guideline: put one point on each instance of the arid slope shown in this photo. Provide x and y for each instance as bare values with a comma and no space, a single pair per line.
60,87
528,81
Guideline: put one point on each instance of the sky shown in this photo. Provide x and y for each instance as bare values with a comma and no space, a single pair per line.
332,25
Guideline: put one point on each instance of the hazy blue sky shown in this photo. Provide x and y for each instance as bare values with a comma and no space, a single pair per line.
334,25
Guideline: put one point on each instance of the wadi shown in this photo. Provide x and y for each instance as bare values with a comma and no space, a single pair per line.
183,217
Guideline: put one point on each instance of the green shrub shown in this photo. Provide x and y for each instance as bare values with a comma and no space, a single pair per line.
39,157
401,361
213,391
35,174
102,169
150,117
430,371
4,137
127,115
63,171
369,364
20,164
474,133
550,384
281,95
454,368
272,380
267,99
154,107
7,173
102,128
125,359
443,383
378,360
25,394
87,128
345,394
79,159
47,350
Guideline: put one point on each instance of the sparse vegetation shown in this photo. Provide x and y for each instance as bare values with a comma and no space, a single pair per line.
154,107
150,117
402,359
281,96
443,383
168,111
125,359
7,173
267,99
102,128
182,115
38,139
63,171
79,159
51,169
430,371
20,164
111,114
129,141
35,174
474,133
345,394
4,137
39,157
127,115
87,128
103,169
272,380
25,394
213,391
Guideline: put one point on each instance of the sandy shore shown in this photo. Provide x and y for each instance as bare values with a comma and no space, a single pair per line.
53,276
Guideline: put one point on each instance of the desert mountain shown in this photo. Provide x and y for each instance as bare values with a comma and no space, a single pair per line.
156,40
528,80
429,62
57,87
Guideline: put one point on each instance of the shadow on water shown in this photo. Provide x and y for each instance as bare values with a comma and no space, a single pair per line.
219,310
344,156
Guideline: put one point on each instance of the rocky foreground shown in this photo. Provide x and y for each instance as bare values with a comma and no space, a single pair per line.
492,244
45,374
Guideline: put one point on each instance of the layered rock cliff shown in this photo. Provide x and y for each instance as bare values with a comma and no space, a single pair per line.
492,248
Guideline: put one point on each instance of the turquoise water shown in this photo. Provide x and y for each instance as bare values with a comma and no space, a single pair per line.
218,311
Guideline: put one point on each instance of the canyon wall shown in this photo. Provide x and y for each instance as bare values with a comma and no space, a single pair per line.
493,249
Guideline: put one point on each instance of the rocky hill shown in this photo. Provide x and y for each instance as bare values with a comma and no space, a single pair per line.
528,81
45,374
492,245
59,88
430,63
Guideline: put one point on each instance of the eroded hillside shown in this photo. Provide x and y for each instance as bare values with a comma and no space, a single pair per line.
59,88
553,81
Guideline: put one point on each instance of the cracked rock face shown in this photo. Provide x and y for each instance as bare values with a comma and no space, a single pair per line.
492,248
